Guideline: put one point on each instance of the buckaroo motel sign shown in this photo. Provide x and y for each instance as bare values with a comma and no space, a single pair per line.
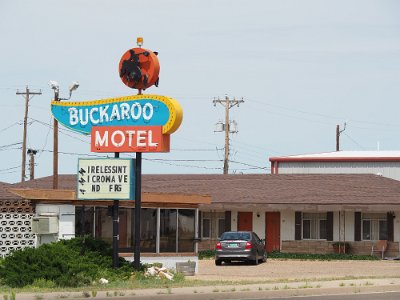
140,123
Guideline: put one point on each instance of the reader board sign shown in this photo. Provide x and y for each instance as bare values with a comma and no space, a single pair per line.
129,139
105,179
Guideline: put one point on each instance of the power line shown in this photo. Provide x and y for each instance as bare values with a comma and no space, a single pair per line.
354,141
181,165
9,145
8,127
253,166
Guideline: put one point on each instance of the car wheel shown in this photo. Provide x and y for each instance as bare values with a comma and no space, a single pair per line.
255,261
218,262
264,259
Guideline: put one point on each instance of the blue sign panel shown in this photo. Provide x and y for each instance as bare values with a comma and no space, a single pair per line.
139,110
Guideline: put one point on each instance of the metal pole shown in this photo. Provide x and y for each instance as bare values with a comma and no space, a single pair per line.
55,147
115,214
138,208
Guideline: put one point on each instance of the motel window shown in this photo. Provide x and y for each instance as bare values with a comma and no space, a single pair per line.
176,231
374,227
221,227
206,228
314,226
212,225
186,230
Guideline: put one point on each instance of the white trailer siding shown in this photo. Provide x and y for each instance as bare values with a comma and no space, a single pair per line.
386,169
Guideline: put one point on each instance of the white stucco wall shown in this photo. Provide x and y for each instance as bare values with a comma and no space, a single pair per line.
234,215
66,218
259,224
287,225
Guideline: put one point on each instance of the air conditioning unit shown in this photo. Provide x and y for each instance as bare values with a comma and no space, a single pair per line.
44,225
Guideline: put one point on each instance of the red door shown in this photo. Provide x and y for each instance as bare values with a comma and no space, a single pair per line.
245,221
273,231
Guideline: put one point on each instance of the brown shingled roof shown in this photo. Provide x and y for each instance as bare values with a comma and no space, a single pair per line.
315,189
4,194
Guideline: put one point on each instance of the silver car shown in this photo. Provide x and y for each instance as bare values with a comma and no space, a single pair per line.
239,246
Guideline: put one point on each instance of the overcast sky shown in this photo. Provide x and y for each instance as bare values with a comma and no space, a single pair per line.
302,67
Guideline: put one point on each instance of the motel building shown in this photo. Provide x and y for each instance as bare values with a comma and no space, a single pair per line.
183,214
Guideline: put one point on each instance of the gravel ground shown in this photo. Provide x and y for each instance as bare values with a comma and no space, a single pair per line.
275,269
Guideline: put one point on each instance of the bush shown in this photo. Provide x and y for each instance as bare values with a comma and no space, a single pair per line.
310,256
206,254
68,263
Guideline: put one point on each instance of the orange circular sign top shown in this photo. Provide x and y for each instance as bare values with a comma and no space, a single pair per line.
139,68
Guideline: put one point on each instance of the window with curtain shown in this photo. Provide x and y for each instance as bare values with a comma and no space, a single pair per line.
206,228
221,227
186,230
212,224
374,226
314,226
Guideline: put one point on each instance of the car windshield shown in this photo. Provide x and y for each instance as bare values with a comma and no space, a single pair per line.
235,236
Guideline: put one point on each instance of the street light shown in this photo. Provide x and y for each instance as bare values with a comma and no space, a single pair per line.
56,88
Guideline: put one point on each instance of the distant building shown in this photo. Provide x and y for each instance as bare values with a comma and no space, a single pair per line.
385,163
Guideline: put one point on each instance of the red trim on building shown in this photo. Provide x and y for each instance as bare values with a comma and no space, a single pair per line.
333,159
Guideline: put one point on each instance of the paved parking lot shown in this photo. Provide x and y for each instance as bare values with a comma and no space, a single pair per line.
275,269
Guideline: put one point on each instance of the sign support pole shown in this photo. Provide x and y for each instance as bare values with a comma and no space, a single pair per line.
115,216
138,208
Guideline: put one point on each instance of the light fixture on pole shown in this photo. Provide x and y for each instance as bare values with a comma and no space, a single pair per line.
56,88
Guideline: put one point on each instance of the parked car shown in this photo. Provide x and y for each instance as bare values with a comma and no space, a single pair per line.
239,246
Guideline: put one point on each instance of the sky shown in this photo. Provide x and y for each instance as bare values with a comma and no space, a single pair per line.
301,67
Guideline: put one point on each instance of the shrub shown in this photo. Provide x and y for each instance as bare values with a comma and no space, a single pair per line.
309,256
206,254
71,263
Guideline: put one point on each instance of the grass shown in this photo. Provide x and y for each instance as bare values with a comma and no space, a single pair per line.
118,287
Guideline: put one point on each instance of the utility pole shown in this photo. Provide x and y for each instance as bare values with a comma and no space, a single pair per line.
32,154
28,96
338,132
226,126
